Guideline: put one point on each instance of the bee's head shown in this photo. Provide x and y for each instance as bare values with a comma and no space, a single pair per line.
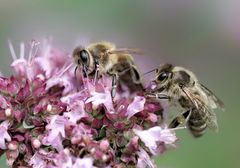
163,76
83,58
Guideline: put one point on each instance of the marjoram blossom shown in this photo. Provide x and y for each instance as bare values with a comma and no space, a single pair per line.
48,119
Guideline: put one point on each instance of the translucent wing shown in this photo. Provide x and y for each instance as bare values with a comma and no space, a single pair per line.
204,110
212,97
127,51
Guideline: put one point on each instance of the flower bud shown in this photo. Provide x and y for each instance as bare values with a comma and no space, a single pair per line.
8,112
104,145
104,158
66,151
13,145
49,108
36,143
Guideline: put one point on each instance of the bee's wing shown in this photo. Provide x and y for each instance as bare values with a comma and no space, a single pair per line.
127,51
211,118
203,109
212,97
191,97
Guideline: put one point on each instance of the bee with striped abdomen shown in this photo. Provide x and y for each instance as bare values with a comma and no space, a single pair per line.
104,58
181,87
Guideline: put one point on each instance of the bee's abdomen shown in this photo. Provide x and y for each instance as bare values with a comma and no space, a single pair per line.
197,124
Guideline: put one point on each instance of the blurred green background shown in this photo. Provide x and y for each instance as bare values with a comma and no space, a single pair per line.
203,36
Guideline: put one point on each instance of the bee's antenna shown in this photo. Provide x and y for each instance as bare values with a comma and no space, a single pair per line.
149,72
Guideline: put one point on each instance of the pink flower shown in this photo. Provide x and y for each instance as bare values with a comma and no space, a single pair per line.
25,67
4,136
3,103
155,135
84,163
136,106
56,131
98,98
144,160
76,111
38,161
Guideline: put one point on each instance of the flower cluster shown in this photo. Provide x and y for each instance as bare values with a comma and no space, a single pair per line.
50,119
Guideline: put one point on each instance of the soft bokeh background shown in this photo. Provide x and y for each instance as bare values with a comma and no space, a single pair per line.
203,36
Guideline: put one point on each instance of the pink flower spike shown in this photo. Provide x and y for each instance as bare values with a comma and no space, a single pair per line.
136,106
54,118
4,134
155,135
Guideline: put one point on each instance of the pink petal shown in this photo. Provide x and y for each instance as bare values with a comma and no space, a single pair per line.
154,135
19,66
61,81
64,160
19,115
56,126
56,131
84,163
3,103
101,98
77,111
37,161
144,160
4,136
136,106
54,141
23,92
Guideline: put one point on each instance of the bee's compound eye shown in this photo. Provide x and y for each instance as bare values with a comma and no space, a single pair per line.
84,56
162,76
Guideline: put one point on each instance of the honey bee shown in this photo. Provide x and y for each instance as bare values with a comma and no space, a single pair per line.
104,58
181,87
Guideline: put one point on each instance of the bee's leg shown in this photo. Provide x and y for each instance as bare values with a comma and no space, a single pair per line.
75,74
162,96
96,76
180,120
85,75
158,96
84,71
114,85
